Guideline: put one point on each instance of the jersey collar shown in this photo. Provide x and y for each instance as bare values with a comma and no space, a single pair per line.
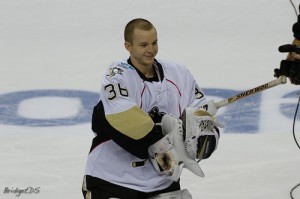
158,75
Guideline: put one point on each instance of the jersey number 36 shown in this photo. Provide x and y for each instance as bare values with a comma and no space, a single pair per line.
114,90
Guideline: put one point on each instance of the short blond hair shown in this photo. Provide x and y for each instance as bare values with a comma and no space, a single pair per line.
139,23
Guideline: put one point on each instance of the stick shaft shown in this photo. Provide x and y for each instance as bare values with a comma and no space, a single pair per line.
278,81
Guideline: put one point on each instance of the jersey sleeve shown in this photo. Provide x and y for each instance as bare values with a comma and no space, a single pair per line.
194,95
126,124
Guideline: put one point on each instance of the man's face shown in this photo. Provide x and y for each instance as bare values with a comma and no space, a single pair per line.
143,48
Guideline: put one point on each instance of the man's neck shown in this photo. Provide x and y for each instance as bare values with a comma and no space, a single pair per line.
147,70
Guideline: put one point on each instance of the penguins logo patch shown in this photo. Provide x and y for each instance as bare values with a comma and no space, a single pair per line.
115,70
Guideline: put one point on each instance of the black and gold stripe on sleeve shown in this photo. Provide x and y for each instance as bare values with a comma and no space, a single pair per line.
133,130
133,123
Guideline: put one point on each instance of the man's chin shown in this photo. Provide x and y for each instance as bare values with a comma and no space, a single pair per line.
149,61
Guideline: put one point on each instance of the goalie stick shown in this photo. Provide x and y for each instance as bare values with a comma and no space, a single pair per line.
212,107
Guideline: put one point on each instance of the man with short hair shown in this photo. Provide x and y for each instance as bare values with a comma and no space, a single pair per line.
148,125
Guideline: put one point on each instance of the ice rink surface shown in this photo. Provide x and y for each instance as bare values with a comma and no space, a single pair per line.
53,54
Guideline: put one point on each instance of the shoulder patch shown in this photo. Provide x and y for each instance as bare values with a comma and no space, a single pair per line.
115,70
125,65
119,68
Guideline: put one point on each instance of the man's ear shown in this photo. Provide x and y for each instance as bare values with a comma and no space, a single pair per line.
128,46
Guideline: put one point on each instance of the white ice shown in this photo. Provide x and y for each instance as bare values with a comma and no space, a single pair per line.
67,44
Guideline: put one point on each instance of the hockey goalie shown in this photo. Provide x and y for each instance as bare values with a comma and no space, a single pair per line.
148,125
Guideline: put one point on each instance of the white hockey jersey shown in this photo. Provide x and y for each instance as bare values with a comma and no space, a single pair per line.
124,121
